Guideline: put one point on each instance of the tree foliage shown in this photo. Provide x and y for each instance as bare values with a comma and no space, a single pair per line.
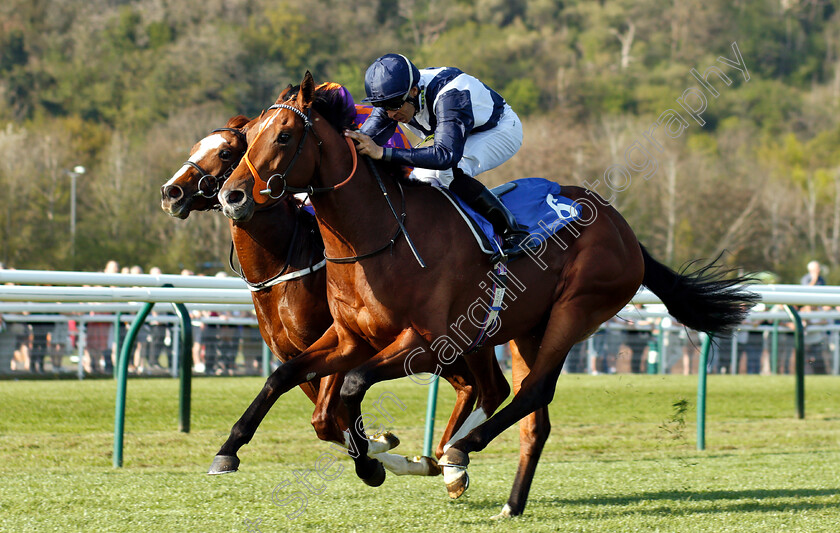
126,88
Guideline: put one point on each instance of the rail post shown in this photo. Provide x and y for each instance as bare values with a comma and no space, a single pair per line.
701,391
663,348
431,407
81,344
185,349
266,360
799,340
122,375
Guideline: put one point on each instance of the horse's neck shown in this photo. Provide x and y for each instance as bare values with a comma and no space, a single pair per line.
262,243
354,218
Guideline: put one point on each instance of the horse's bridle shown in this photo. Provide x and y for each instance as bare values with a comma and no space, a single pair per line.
217,181
310,190
286,188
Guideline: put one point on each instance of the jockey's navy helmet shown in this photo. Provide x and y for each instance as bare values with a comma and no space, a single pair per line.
389,79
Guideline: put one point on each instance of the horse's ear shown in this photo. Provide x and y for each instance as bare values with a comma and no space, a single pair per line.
307,91
237,122
283,93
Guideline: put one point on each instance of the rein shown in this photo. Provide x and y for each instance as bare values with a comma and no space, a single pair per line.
400,225
387,245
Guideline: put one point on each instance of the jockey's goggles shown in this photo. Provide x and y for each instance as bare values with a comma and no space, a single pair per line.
392,104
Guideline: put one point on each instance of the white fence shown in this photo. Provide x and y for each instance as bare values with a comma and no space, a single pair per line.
69,298
85,298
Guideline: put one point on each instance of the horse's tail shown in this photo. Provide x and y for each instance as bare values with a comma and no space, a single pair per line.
703,300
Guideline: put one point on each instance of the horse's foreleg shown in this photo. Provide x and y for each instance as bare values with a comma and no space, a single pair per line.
330,416
408,351
331,421
321,359
243,430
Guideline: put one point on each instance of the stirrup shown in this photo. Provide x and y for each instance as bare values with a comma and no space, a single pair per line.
513,241
498,256
511,247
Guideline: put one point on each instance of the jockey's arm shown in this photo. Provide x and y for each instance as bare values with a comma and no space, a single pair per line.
453,111
379,126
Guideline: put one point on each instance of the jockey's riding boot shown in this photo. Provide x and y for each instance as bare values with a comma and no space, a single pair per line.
477,196
491,207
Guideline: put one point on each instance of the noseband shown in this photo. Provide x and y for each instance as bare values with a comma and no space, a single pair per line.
215,182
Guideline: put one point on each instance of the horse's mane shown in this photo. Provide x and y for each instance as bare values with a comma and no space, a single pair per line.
333,102
237,122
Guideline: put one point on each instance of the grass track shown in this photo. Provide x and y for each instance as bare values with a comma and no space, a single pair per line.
617,460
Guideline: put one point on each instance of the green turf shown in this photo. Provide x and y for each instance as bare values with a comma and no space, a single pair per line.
621,457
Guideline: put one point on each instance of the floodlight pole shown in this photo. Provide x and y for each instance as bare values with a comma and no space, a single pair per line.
77,171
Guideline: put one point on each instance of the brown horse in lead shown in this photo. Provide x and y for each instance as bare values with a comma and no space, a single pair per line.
277,249
388,308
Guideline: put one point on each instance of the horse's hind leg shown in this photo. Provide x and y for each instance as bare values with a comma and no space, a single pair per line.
466,391
533,431
568,323
493,389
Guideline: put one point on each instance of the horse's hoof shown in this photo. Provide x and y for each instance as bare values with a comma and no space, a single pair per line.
224,464
382,442
376,478
507,512
391,439
454,457
457,481
431,465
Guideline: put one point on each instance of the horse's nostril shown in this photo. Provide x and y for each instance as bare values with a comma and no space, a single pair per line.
172,192
235,197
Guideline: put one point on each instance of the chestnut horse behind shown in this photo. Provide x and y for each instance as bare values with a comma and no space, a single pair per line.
277,249
386,307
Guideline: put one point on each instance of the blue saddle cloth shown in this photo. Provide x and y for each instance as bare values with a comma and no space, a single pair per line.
536,203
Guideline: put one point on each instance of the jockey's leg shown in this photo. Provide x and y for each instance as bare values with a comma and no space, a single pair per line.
487,204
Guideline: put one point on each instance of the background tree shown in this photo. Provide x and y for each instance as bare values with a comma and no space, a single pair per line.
126,88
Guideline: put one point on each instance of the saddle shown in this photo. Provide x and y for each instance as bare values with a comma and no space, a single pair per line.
538,205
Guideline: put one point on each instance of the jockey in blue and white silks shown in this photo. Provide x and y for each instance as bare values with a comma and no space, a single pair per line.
474,130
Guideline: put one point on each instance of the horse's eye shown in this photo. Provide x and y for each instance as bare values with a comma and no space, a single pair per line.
283,138
224,155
